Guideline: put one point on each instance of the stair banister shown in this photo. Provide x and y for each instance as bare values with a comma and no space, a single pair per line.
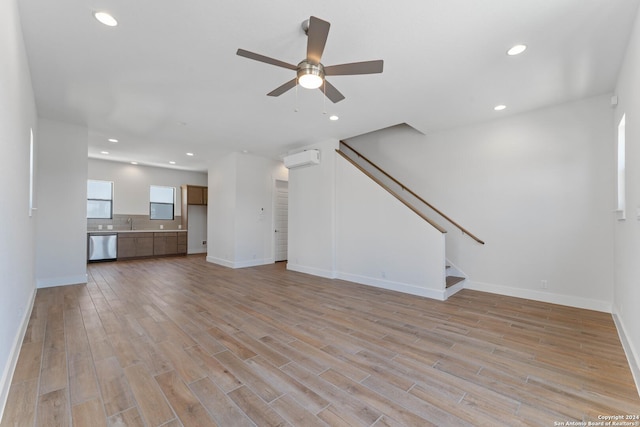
408,190
393,193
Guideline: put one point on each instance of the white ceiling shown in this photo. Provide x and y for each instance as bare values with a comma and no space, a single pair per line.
167,79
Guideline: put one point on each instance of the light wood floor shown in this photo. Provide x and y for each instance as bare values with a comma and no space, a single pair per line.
178,341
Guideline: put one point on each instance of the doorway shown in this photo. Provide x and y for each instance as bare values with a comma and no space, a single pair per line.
281,220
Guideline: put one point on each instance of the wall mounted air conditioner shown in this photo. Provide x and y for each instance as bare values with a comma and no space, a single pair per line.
303,158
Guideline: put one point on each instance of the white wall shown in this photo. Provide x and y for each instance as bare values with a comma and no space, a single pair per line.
536,187
627,233
221,211
255,191
312,214
381,242
240,217
61,249
131,183
17,233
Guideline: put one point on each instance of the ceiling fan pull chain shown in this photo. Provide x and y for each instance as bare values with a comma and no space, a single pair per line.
295,110
324,98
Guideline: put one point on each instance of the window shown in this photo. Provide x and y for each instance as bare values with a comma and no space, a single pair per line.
621,168
161,202
99,199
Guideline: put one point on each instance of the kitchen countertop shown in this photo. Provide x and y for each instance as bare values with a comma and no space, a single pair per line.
135,231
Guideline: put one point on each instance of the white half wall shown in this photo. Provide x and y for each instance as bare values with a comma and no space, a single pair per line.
240,214
221,211
536,187
627,232
17,234
312,214
380,242
61,250
255,191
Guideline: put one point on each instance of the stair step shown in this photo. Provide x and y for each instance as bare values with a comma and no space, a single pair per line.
452,280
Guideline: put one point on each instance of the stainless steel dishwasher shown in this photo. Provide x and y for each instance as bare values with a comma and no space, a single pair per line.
102,247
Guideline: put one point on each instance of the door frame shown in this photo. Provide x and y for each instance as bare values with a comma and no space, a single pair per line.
273,217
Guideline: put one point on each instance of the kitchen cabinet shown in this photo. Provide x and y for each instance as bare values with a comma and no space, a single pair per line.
165,243
194,194
182,243
135,245
149,244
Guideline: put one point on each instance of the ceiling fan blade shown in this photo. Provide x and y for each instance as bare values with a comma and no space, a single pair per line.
282,89
317,37
331,92
266,59
366,67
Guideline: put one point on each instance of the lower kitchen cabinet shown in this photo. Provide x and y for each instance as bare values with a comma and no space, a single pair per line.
165,243
150,244
134,245
182,243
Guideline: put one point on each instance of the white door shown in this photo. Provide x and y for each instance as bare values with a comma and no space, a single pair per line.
281,220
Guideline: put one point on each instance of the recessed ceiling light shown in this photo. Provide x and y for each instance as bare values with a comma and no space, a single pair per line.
516,50
333,118
172,162
112,140
189,154
104,152
105,19
134,163
499,107
245,151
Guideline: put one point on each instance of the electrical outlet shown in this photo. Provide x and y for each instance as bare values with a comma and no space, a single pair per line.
544,284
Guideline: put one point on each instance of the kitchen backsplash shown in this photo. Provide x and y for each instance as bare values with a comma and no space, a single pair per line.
132,222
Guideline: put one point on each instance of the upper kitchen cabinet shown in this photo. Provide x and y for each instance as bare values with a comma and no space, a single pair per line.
194,194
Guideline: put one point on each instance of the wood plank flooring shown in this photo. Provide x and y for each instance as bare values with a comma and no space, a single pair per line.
181,342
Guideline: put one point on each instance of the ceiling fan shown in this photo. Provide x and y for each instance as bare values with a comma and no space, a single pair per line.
310,73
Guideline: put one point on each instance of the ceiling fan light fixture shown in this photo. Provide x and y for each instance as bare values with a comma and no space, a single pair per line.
310,81
310,76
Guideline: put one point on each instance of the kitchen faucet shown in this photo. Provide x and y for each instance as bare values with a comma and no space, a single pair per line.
130,222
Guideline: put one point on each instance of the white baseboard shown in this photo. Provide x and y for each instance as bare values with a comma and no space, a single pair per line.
197,251
239,264
253,262
328,274
633,357
61,281
438,294
568,300
220,261
9,369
